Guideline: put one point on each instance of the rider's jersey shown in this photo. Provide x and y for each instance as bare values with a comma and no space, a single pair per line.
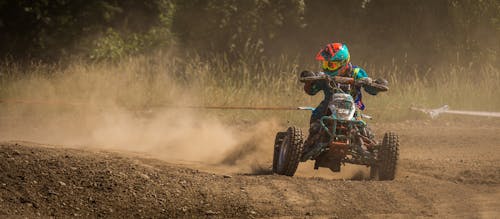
312,89
356,73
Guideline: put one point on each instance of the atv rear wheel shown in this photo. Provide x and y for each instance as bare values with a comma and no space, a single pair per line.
387,159
287,151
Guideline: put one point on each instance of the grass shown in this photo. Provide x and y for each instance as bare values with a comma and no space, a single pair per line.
166,79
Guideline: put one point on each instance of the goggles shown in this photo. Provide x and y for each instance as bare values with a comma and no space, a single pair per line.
332,65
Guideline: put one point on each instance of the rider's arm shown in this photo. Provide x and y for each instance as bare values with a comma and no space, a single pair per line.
361,73
369,85
310,87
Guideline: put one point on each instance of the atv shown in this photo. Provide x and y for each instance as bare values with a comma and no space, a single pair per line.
344,137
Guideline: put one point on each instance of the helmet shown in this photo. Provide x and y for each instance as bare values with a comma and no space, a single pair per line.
335,58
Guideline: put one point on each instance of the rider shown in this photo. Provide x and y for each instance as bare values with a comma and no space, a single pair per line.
335,61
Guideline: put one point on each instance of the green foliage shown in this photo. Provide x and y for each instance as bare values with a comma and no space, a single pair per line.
242,27
110,46
60,28
412,33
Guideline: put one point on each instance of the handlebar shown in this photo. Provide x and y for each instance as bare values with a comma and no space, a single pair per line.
380,87
345,80
337,79
314,78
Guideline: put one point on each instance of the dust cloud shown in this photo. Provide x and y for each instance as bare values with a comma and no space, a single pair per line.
186,136
85,109
172,135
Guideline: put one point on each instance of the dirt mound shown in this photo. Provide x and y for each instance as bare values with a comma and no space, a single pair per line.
39,180
445,170
66,182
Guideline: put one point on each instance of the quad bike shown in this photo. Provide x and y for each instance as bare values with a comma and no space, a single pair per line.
343,138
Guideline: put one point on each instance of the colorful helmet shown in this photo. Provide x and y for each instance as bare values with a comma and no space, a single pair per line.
335,58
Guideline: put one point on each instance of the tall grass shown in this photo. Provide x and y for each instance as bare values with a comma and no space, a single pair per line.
138,83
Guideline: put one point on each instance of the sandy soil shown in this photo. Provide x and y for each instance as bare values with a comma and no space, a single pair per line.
447,170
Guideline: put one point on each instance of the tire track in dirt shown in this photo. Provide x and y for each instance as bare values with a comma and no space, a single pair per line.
140,183
43,180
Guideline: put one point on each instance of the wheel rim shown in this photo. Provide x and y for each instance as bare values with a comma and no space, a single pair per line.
283,149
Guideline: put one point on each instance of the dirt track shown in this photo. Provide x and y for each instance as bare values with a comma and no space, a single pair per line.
447,169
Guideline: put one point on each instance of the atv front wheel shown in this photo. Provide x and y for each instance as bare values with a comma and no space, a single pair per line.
287,151
278,141
387,159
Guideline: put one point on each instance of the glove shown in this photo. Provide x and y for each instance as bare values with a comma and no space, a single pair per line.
305,74
381,81
364,81
379,85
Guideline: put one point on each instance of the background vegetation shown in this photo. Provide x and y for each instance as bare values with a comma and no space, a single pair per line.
418,33
139,54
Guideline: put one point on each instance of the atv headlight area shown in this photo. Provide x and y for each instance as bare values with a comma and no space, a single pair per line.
342,106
